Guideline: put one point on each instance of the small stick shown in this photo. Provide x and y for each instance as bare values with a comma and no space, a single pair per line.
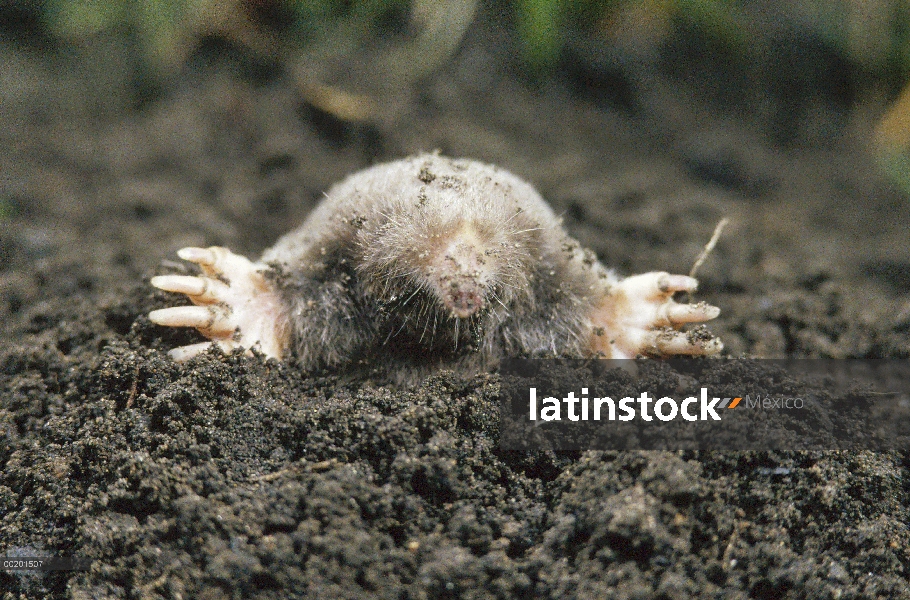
718,229
728,551
133,388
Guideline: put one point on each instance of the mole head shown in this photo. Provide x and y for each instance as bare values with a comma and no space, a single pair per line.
454,265
459,270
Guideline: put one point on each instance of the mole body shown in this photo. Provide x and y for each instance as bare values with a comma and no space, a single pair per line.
431,260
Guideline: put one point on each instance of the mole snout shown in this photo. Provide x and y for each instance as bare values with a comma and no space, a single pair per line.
459,273
464,299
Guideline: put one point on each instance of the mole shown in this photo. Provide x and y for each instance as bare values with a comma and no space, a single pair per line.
431,260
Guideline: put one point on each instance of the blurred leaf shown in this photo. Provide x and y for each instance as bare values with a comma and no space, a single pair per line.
896,166
80,18
722,19
539,24
164,30
7,208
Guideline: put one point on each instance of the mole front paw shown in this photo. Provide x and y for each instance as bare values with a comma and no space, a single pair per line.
236,306
638,316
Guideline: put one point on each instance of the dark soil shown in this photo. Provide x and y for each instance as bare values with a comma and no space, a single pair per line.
232,477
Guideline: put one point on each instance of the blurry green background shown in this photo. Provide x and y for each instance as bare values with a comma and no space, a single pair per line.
861,48
874,34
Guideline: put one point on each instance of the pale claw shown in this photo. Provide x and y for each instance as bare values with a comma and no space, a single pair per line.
204,318
184,353
236,306
673,283
200,290
673,313
671,341
204,257
639,316
658,285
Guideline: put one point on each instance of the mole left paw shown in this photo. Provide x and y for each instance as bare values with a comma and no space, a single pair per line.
640,317
235,305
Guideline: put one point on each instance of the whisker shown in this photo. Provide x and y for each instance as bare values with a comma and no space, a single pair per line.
423,311
390,219
496,297
387,338
403,323
401,273
411,297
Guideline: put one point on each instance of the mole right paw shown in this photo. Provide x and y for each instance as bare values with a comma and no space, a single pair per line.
639,317
236,306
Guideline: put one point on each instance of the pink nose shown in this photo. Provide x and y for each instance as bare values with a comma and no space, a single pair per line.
463,302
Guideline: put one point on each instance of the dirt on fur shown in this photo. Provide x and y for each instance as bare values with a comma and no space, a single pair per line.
236,477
